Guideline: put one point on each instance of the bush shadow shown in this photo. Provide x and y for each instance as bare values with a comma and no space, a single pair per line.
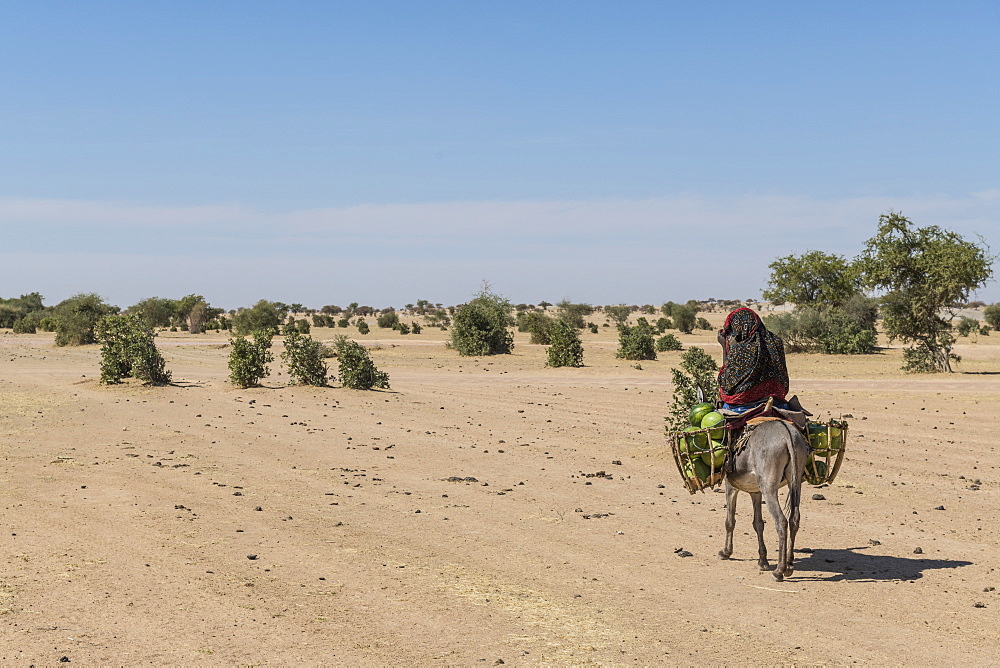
856,564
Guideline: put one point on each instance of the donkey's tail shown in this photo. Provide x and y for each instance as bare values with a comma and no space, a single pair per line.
794,472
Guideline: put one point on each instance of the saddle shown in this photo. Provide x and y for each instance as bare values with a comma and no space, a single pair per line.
739,426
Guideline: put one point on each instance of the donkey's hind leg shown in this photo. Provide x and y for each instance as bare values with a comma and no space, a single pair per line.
781,525
731,494
758,526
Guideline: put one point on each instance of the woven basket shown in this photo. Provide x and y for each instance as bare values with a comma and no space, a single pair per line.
824,462
693,454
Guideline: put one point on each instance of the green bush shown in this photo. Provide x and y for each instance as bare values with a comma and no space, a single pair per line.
663,324
263,315
363,327
304,357
573,313
635,343
698,370
47,324
388,320
25,325
702,323
618,314
481,326
966,326
128,350
403,328
357,370
77,317
593,327
415,328
826,331
344,322
684,317
566,349
248,360
668,342
991,314
538,324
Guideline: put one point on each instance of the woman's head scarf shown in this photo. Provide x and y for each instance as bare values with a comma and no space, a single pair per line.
755,361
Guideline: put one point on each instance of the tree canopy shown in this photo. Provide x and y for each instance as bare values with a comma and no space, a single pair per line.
926,274
814,279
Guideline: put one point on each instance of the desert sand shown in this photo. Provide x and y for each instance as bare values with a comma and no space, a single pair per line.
203,524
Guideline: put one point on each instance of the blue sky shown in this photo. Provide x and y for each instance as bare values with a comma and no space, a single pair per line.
385,152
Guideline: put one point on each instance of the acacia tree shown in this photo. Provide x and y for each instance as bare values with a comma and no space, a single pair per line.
815,279
618,314
926,273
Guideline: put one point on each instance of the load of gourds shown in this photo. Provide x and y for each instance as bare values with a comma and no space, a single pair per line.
700,450
827,440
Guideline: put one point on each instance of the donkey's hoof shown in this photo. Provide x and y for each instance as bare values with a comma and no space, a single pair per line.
778,576
763,566
724,555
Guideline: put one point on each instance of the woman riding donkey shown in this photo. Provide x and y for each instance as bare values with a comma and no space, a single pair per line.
753,364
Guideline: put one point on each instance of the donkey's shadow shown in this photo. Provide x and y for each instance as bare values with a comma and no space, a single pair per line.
856,564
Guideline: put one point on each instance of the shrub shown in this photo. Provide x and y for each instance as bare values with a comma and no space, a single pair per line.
618,314
663,324
248,360
363,327
128,350
481,326
684,317
344,322
538,324
261,316
574,313
635,343
593,328
304,357
357,371
47,324
698,371
985,330
388,320
415,328
966,326
566,349
829,331
702,323
403,328
77,317
991,314
303,326
25,325
668,342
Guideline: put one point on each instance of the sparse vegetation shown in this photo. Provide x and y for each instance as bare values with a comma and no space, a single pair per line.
248,360
481,327
566,348
77,317
635,343
304,358
128,350
668,342
357,370
263,315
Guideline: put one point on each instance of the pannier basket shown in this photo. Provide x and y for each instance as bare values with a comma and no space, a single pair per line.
829,442
700,455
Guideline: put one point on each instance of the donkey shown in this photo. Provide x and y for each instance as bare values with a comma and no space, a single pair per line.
775,455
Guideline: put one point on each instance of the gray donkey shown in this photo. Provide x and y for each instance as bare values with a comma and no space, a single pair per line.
775,456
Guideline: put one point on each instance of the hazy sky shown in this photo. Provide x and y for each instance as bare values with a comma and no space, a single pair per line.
384,152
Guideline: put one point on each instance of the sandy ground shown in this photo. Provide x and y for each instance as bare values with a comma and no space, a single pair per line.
203,524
